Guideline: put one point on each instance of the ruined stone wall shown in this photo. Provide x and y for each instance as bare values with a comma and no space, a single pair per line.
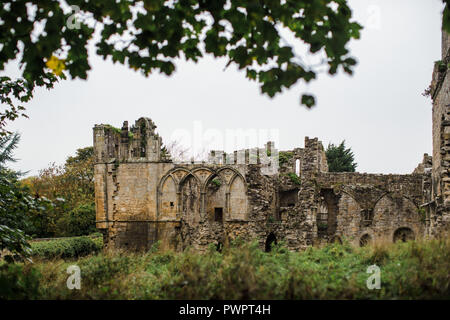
373,206
440,93
143,197
174,204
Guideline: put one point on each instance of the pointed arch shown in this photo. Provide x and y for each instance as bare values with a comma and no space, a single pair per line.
168,199
208,180
237,175
238,203
349,203
380,197
216,198
233,175
203,180
190,207
186,177
395,205
348,217
178,173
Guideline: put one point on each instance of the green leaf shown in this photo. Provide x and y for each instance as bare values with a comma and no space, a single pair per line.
308,100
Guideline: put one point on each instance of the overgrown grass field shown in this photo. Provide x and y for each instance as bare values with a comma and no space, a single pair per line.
412,270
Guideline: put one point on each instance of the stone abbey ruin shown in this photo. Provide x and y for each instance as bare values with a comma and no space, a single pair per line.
143,197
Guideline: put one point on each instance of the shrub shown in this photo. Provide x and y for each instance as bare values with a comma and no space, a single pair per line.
78,221
284,157
294,178
18,282
99,269
411,270
66,248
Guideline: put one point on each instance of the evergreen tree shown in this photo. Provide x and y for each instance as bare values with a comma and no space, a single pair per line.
340,159
14,203
7,144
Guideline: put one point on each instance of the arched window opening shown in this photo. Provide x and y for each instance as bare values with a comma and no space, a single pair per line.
270,242
168,199
297,167
190,197
403,235
365,240
238,199
322,219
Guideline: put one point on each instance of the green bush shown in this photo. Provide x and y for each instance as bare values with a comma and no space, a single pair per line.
412,270
294,178
18,282
284,157
66,248
78,221
102,268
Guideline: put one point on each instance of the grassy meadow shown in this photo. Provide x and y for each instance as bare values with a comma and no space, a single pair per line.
412,270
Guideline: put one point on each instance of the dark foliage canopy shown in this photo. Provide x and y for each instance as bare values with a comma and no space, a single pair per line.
15,203
50,39
340,159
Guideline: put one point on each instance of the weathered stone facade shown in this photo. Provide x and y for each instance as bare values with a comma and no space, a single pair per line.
439,206
142,197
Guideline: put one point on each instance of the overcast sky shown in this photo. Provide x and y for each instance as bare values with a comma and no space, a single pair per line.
379,111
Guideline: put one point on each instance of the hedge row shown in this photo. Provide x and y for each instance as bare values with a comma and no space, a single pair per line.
67,248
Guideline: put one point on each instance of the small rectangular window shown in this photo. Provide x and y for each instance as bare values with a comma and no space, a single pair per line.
218,214
171,204
288,198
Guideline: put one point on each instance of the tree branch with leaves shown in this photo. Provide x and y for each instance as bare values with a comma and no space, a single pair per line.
50,40
150,35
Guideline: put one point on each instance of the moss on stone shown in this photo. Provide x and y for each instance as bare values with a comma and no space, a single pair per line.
284,156
216,182
112,128
294,178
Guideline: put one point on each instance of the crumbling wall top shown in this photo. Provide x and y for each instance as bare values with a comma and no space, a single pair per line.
138,143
